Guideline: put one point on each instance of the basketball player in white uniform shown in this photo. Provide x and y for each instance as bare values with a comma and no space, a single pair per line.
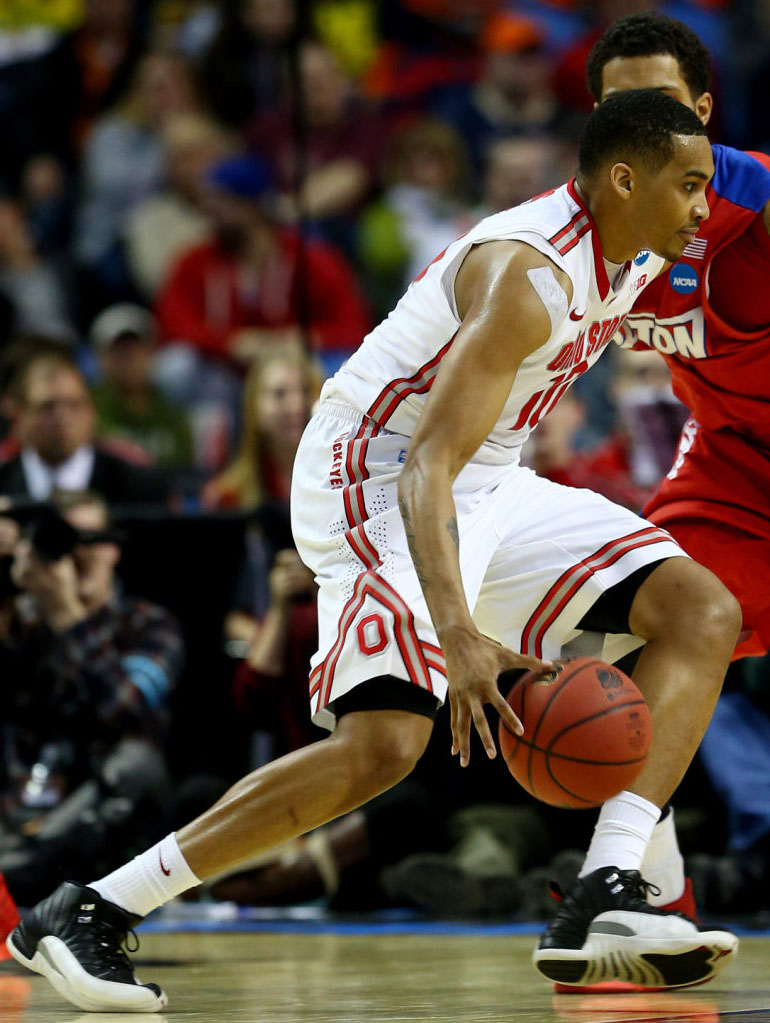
441,562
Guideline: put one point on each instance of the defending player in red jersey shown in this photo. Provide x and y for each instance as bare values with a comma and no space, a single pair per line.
709,314
710,317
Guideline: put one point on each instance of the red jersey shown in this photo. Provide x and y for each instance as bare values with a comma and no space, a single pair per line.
719,371
709,315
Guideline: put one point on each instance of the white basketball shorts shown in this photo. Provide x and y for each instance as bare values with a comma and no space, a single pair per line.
534,556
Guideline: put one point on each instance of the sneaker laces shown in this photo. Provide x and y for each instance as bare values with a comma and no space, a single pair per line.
113,956
634,884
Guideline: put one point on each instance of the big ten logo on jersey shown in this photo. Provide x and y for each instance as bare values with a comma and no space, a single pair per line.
683,335
335,473
573,360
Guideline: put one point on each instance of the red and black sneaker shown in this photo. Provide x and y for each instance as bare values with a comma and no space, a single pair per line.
605,930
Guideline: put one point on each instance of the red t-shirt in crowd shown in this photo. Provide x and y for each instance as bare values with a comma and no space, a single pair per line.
209,295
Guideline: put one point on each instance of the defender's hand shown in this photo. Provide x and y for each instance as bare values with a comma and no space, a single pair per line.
473,664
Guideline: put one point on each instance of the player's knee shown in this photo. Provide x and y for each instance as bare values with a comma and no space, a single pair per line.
687,601
383,747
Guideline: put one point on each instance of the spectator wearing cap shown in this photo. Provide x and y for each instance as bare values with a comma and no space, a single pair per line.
129,407
513,95
254,284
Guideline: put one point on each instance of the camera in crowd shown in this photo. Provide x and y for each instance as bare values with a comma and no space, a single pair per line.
52,537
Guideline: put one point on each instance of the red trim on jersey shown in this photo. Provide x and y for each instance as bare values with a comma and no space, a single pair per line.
583,571
568,246
556,238
418,383
601,274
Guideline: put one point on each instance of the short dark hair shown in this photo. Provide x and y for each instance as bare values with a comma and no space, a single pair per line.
635,126
645,35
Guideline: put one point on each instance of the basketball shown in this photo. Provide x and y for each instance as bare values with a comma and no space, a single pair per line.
587,733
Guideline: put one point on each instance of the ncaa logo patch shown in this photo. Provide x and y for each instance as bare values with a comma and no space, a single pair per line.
683,278
642,257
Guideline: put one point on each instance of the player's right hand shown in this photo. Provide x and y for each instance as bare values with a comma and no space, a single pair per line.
473,663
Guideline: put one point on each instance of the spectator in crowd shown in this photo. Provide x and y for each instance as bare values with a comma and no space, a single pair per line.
630,461
55,425
513,94
123,163
278,397
516,169
327,174
424,48
129,407
271,683
45,201
31,284
245,68
165,224
424,207
254,285
56,96
87,673
553,453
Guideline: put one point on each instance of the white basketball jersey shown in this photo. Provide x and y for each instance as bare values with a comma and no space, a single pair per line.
391,374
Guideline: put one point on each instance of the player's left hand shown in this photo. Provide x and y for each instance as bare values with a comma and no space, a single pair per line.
473,664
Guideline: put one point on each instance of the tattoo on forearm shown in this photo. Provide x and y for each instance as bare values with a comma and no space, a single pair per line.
453,532
412,541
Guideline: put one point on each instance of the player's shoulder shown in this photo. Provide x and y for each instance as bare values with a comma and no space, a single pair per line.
741,178
544,214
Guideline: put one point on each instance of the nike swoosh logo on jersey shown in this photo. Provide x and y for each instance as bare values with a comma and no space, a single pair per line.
160,860
576,316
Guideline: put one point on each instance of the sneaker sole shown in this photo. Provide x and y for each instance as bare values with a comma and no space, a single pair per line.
616,987
54,961
647,964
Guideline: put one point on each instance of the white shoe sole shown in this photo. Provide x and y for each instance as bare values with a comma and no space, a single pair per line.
646,962
54,961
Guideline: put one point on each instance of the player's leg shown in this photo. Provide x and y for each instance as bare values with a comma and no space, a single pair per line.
75,936
554,565
690,623
741,560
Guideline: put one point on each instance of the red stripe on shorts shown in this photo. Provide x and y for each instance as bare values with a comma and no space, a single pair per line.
582,572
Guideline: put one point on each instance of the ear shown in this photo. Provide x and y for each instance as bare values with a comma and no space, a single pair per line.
703,106
622,180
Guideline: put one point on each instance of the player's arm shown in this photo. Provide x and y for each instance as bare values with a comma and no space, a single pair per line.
503,321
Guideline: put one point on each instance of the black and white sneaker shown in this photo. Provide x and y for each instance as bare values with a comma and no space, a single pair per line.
606,930
75,939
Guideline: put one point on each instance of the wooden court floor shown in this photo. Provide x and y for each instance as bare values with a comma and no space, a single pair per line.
383,978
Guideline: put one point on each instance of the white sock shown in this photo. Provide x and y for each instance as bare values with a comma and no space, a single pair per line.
663,865
621,834
149,880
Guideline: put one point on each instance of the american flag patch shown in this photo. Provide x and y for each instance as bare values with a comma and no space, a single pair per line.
696,249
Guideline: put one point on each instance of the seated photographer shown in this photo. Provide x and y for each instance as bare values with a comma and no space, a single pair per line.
86,674
55,423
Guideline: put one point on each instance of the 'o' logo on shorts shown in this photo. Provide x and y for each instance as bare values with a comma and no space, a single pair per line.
683,278
642,257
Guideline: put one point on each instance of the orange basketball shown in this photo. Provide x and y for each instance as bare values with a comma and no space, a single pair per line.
587,733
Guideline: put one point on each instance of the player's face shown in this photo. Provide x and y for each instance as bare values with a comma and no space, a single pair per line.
660,71
670,205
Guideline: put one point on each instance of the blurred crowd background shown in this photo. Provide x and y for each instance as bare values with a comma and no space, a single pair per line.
204,207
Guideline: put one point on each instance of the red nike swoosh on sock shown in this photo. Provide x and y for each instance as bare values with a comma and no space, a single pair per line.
160,860
577,317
